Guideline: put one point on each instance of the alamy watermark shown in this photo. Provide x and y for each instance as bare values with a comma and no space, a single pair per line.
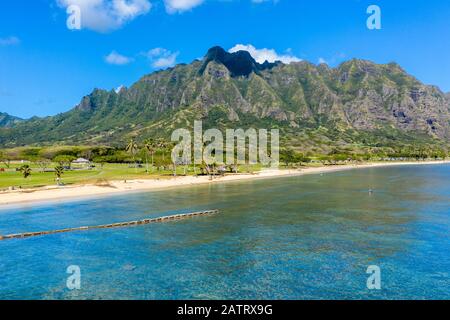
374,20
73,17
374,280
74,280
238,148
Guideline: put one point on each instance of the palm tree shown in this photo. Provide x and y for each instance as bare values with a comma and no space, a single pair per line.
150,147
43,164
59,171
26,170
162,144
205,168
132,149
186,157
174,163
5,159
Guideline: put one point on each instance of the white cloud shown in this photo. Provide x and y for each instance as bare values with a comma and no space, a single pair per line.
117,59
162,58
119,88
322,60
107,15
174,6
9,41
262,55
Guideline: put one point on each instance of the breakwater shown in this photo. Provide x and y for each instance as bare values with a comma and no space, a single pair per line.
112,225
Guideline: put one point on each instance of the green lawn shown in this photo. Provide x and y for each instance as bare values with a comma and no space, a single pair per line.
99,174
38,178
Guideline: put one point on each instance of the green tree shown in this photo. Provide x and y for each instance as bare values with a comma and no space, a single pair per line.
324,159
301,158
43,164
5,159
64,159
186,158
59,171
287,156
132,148
341,157
150,148
25,170
162,145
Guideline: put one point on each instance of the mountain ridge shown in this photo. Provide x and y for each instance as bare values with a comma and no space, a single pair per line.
357,102
7,120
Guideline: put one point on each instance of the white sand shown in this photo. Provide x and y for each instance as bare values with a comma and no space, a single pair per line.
56,194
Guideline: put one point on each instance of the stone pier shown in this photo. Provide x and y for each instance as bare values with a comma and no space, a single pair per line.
113,225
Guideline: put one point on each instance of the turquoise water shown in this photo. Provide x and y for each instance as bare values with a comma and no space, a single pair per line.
309,237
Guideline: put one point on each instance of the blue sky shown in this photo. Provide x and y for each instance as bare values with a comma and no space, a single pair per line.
45,68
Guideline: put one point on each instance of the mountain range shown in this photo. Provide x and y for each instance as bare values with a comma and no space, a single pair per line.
355,105
7,120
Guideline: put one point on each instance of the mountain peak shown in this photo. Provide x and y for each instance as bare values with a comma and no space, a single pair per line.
216,53
239,63
7,120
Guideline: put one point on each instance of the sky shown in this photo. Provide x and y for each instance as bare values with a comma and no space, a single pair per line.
48,64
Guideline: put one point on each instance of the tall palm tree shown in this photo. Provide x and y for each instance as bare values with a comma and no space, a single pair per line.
162,144
26,170
170,146
186,157
59,171
150,147
132,149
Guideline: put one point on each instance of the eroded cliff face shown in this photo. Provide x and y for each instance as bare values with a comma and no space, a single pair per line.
234,90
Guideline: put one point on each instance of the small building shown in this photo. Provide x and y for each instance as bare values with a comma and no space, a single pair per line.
81,164
81,161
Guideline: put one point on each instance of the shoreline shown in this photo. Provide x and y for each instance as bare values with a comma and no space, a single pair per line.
79,192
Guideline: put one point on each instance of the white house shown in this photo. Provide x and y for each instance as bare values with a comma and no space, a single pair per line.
81,161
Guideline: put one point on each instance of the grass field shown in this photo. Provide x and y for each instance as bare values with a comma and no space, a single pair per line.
11,178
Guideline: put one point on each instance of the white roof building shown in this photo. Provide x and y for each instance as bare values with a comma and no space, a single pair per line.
81,161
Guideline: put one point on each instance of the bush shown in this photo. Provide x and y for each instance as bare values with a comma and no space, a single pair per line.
64,159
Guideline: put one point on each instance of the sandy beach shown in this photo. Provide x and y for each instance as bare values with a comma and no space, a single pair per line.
65,193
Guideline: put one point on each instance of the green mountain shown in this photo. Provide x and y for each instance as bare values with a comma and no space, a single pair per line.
7,120
317,108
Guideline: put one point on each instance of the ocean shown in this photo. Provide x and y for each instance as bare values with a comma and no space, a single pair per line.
305,237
